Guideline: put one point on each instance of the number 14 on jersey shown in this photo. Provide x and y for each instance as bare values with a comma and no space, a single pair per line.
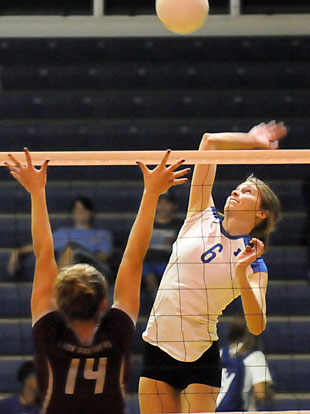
89,373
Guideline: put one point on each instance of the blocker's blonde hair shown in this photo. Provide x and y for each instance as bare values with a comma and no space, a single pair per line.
79,291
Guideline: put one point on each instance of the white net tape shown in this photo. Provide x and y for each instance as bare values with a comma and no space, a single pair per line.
69,158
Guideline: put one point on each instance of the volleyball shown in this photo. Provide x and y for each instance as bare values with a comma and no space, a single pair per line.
182,16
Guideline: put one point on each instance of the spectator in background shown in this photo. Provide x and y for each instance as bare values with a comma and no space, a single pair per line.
27,401
166,228
83,243
246,380
80,243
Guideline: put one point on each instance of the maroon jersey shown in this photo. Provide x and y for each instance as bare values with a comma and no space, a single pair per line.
78,379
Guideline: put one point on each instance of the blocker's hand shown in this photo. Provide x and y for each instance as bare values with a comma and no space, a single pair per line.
29,177
161,178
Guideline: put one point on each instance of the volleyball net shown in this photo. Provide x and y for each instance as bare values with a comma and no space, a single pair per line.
116,193
82,158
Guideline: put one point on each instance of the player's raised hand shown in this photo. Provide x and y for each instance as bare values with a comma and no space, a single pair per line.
267,136
161,178
29,177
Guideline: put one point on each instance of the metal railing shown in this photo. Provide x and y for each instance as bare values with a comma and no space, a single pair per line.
99,24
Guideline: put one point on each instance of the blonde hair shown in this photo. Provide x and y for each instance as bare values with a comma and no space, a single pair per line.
79,291
269,203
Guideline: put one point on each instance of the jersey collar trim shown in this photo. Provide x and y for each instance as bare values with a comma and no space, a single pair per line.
229,236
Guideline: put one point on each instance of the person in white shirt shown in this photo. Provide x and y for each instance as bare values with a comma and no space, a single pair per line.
214,260
246,379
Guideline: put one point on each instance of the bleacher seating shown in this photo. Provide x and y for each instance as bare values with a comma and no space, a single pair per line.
286,298
16,337
110,134
290,402
163,75
282,335
8,369
290,336
15,300
290,373
117,196
18,229
140,104
135,94
287,262
107,50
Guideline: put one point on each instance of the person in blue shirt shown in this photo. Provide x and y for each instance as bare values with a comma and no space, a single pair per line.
246,379
26,402
82,242
79,243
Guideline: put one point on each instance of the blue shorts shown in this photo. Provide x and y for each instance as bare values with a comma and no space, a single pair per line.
158,365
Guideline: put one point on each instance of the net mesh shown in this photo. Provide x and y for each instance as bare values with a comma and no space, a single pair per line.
115,192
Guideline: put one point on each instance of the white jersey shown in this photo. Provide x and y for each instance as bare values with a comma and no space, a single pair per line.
198,284
256,371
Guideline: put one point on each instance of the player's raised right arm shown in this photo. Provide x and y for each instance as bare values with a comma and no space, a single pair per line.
34,181
202,182
262,136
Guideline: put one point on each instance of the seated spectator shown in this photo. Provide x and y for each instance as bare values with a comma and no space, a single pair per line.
83,243
246,380
166,228
27,401
80,243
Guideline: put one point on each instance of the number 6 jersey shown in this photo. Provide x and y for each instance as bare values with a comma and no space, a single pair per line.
198,283
77,379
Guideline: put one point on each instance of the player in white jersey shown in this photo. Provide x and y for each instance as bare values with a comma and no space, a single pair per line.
214,260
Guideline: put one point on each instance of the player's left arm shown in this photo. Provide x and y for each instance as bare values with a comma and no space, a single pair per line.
253,287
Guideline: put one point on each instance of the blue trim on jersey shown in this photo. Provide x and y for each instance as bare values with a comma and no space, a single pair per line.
258,265
229,236
214,211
